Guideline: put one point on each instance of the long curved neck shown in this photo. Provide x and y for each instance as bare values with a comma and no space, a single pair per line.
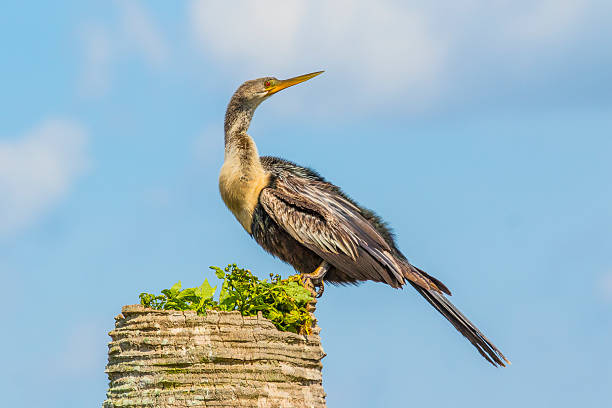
239,147
237,119
242,176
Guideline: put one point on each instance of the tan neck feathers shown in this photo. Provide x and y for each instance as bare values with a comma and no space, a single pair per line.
242,178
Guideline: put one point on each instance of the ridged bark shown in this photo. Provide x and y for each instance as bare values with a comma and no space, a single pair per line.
179,359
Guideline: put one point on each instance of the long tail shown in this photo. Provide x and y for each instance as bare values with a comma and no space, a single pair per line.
464,326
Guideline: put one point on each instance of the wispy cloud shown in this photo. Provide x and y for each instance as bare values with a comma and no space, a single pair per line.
413,51
97,56
368,44
37,171
134,32
546,22
142,32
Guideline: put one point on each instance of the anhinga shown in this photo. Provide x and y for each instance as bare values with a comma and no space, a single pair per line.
298,216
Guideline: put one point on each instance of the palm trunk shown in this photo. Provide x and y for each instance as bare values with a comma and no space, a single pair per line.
179,359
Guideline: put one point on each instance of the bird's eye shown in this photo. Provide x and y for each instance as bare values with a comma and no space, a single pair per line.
267,84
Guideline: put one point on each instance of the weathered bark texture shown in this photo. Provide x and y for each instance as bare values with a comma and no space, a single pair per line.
179,359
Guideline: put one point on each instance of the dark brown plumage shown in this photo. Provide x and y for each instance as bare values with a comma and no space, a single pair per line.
302,219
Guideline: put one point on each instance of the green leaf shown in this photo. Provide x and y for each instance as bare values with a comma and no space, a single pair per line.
218,271
176,288
206,291
299,293
186,293
224,292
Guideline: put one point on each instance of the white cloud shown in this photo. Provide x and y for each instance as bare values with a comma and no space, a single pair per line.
37,171
384,48
134,32
97,48
247,31
546,22
142,32
388,49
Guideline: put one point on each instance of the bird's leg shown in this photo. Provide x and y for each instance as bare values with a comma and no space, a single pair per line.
316,278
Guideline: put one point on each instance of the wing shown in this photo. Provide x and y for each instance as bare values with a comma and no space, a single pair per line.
318,217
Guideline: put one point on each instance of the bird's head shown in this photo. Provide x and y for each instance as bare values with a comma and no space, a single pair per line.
254,92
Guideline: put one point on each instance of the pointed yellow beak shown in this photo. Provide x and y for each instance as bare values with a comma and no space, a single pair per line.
286,83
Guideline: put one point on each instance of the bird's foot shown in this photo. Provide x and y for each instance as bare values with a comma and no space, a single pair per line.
318,288
309,284
315,280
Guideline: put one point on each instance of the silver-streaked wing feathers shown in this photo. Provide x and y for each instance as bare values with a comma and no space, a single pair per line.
314,214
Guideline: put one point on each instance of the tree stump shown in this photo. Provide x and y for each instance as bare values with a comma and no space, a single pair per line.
168,358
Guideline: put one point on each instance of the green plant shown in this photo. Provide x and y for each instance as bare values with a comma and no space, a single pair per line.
282,301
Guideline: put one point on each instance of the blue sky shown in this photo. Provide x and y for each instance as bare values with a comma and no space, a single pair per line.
479,130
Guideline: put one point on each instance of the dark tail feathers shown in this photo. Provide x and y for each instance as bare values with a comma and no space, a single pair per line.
438,284
464,326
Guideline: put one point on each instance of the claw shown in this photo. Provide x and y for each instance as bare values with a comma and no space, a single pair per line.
320,290
315,279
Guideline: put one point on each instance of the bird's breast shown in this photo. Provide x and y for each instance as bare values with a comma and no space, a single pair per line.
240,189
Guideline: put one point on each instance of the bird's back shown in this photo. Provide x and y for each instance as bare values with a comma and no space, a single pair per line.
277,166
312,211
